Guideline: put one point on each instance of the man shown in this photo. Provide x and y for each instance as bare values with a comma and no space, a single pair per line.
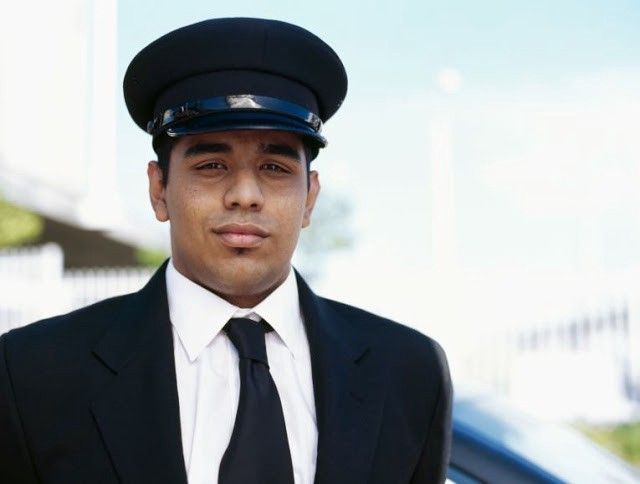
226,367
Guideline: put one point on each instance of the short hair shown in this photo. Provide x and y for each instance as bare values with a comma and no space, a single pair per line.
164,144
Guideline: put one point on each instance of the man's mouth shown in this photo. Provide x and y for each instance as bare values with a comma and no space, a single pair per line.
241,235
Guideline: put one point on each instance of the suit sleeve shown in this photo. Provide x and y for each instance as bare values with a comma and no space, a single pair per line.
15,462
434,460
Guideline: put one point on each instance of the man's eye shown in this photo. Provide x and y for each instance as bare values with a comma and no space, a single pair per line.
274,167
211,165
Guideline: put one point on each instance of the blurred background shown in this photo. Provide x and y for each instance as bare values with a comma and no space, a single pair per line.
481,183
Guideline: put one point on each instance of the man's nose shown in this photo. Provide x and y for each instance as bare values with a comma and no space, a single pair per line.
244,192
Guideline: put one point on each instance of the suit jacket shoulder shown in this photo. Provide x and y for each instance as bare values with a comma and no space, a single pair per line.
57,350
90,396
84,325
407,349
407,373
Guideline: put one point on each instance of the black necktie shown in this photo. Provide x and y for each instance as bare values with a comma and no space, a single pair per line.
258,452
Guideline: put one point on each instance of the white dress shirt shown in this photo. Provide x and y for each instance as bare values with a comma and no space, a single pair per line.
209,381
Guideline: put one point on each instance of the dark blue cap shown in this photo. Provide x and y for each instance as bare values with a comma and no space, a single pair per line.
235,73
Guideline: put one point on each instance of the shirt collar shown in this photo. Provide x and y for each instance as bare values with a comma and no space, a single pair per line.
198,315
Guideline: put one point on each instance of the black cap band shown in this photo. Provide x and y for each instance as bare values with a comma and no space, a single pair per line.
171,120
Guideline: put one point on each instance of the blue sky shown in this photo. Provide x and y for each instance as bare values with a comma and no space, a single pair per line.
407,41
545,157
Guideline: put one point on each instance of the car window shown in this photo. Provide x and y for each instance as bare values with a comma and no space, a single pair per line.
458,476
557,449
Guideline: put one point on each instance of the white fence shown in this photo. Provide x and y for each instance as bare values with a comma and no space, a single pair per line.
34,285
584,368
587,363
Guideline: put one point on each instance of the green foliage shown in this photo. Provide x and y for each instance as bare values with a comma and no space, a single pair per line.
151,258
18,226
623,439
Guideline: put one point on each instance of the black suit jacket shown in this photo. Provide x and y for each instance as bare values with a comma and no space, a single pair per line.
91,397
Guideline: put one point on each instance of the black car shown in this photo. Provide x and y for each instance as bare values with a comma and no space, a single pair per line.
494,443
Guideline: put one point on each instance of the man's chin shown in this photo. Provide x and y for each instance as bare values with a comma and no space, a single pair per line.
245,286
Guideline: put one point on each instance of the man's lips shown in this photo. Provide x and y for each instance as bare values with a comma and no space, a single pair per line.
241,235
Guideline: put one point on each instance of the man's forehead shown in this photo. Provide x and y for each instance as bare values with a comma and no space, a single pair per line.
249,136
258,141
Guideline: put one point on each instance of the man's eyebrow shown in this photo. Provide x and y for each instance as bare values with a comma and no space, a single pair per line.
280,149
207,148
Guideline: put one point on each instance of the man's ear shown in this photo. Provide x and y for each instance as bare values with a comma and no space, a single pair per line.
312,195
157,191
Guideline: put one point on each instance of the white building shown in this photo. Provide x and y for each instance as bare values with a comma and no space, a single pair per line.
58,99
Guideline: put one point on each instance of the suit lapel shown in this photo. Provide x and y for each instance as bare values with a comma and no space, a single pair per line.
349,393
138,415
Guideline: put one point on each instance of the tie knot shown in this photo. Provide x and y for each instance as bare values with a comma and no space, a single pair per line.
248,338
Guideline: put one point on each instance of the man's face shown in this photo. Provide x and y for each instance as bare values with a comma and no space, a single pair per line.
237,201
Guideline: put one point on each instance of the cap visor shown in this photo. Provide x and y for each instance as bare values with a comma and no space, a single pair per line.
245,120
